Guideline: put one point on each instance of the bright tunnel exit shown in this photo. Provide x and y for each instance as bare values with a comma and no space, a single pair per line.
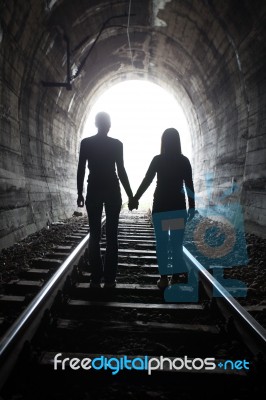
140,112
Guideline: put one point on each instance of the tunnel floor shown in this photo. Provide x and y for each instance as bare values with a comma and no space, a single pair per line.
16,260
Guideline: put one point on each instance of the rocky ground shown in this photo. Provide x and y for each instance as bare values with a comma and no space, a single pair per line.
17,258
243,255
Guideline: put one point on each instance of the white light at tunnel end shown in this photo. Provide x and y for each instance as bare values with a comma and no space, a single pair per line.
140,111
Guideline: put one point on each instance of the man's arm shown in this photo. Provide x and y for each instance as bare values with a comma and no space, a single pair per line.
81,174
122,174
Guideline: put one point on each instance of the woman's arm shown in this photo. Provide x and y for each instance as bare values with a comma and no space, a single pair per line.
189,186
150,174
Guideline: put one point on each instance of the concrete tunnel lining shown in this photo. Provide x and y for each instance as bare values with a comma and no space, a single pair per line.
210,55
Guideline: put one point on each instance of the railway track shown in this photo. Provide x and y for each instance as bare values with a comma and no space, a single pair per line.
75,342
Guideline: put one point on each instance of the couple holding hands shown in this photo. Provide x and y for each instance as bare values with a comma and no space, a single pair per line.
104,156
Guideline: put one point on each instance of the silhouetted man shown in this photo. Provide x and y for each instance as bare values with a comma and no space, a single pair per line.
104,155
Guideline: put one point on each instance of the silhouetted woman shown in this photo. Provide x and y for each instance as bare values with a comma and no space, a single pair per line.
169,211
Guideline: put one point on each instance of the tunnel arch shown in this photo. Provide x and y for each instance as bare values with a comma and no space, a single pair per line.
210,55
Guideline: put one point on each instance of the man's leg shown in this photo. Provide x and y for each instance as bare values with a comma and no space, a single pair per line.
95,215
112,210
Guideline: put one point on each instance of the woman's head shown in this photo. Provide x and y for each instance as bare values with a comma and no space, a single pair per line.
170,143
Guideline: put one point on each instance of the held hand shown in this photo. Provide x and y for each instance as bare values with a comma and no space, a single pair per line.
80,201
191,214
133,204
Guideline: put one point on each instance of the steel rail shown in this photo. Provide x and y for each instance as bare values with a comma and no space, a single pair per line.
14,339
246,326
25,326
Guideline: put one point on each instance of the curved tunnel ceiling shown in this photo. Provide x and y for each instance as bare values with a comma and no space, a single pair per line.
186,46
209,54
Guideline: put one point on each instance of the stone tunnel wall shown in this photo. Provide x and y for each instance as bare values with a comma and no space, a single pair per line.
230,160
38,133
214,63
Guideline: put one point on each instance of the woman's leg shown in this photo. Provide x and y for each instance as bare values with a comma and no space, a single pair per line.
176,239
162,247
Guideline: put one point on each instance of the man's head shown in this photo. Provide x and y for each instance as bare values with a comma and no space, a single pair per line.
103,122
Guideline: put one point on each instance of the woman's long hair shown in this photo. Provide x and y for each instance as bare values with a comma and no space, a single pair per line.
170,142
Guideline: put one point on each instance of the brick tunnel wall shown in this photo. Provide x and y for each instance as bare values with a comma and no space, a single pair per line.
40,127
